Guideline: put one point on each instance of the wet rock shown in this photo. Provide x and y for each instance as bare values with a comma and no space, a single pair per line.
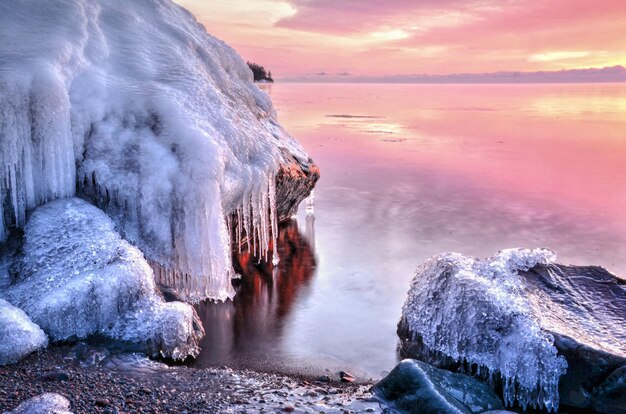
610,396
48,403
499,412
323,378
589,330
145,390
416,387
102,402
346,376
54,376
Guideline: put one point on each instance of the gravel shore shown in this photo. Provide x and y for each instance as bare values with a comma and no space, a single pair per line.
99,382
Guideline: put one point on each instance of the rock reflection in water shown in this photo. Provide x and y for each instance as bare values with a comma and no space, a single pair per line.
249,328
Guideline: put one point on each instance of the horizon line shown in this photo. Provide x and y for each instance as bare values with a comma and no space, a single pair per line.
607,74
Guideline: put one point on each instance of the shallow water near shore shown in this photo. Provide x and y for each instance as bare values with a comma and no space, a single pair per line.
410,171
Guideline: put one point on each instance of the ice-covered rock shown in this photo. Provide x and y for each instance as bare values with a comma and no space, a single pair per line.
48,403
134,105
549,333
20,336
478,311
77,277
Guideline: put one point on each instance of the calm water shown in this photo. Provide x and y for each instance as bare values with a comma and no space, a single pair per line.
409,171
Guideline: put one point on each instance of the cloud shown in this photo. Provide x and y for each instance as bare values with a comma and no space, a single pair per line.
385,37
551,56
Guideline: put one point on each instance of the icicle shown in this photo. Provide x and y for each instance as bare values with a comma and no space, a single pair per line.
273,219
310,203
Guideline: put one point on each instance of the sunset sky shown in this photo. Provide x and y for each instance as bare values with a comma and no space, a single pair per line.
394,37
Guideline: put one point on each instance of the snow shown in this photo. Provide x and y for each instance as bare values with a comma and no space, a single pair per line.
478,312
77,277
20,336
47,403
134,105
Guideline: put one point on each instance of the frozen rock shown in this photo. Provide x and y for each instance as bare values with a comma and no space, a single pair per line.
461,309
159,124
549,333
416,387
77,277
584,308
20,336
48,403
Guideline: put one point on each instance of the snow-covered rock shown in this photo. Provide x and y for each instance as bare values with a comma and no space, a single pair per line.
48,403
134,105
77,277
553,333
20,336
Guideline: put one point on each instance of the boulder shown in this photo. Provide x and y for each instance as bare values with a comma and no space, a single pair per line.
76,277
584,309
552,334
416,387
20,336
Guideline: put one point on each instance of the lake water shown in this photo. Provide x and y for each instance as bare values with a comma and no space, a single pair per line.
410,171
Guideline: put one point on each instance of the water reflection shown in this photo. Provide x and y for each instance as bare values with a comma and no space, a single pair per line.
251,326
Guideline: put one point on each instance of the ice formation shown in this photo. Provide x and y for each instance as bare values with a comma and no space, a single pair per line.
134,105
478,312
20,336
77,277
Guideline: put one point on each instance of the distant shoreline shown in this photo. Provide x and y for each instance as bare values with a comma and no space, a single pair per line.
406,82
612,74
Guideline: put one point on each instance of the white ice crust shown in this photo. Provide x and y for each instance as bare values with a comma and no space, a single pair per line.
478,312
77,277
19,336
159,122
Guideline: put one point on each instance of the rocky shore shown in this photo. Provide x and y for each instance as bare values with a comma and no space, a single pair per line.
95,381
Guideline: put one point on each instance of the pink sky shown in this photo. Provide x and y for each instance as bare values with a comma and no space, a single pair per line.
395,37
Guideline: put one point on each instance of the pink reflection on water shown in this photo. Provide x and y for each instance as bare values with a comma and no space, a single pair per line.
559,144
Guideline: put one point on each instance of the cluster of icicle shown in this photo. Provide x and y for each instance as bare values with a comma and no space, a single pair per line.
477,312
133,106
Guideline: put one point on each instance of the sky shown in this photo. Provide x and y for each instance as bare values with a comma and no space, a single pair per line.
300,38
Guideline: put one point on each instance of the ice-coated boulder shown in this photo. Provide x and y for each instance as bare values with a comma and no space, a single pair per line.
551,333
584,308
19,335
414,387
48,403
77,277
158,122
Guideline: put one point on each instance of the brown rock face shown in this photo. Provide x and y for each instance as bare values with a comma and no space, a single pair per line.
294,183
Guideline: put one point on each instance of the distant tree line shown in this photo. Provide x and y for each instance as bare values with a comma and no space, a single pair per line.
259,72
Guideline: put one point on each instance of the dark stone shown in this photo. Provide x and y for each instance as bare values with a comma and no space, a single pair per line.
610,396
54,377
346,376
591,360
102,402
415,387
